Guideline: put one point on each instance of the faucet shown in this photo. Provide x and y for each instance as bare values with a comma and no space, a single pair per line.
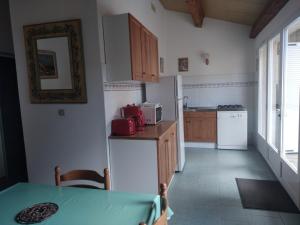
185,102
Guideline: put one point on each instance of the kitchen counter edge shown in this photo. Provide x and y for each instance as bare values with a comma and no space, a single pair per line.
151,132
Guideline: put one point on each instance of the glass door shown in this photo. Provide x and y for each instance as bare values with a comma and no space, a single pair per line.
291,98
274,94
262,90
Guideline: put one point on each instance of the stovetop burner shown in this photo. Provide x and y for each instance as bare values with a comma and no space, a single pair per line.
231,108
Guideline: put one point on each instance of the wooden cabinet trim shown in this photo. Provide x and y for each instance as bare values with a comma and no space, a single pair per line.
167,155
135,49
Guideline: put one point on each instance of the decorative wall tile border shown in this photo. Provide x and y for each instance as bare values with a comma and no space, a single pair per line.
221,85
120,86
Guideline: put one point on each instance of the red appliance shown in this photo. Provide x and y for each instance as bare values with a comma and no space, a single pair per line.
123,127
135,112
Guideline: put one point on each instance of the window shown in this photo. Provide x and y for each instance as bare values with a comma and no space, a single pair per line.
291,86
274,93
262,90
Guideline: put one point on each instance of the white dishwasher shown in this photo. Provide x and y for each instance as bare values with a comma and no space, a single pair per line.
232,127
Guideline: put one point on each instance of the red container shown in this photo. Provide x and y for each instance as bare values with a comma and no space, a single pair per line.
135,112
123,127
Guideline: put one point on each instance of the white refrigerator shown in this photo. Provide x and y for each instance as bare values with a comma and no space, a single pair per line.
168,92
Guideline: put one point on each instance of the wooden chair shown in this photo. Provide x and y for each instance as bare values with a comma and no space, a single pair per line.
162,220
88,175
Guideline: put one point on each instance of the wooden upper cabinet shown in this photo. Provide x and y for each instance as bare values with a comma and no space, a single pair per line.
154,59
131,50
136,49
146,56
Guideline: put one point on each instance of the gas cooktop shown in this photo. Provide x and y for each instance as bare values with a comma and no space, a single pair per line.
231,108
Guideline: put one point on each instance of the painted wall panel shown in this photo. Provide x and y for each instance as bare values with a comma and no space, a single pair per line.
77,140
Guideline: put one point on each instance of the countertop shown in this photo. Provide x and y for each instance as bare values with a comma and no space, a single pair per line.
150,132
200,109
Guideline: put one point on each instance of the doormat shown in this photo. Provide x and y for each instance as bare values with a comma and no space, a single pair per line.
265,195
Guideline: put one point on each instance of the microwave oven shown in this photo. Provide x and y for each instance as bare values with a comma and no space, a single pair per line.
152,113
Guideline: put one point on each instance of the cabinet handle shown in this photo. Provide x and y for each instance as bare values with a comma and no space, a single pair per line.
153,75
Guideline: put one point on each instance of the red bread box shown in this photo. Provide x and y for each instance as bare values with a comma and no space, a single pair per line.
123,127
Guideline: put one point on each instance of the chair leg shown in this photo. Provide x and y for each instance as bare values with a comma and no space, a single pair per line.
106,179
163,197
57,176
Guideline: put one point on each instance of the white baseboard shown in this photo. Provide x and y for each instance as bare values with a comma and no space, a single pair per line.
200,145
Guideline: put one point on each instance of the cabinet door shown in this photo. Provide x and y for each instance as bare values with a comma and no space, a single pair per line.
200,126
136,49
187,129
169,163
146,56
154,59
203,129
162,162
173,138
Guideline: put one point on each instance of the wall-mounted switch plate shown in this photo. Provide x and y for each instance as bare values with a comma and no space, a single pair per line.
61,112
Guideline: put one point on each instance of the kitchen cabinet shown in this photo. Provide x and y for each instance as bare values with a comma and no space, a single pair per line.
200,126
167,156
131,50
140,162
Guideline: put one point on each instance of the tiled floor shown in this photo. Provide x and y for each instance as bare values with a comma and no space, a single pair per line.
206,192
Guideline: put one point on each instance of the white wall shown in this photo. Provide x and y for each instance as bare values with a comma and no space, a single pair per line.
228,79
78,139
6,43
228,45
117,96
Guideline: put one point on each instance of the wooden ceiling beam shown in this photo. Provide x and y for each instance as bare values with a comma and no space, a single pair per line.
196,10
269,12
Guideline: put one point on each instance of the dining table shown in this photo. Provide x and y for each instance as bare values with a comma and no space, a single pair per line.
80,206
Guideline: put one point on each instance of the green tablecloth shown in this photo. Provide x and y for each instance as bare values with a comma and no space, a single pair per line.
79,206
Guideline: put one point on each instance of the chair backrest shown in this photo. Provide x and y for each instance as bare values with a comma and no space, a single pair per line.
88,175
163,219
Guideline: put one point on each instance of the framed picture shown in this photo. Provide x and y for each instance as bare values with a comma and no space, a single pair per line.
161,64
183,64
47,64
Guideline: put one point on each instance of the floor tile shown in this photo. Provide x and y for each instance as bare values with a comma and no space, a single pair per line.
206,192
290,219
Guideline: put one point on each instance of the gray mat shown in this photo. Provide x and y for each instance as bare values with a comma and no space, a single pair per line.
265,195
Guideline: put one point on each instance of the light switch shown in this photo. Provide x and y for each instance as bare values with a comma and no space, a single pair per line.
61,112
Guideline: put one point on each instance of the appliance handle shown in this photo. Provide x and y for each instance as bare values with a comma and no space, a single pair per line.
176,109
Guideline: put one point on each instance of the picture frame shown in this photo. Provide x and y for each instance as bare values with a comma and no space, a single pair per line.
47,64
183,64
71,30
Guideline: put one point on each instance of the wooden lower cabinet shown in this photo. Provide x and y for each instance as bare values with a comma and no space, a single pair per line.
200,126
167,156
141,162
